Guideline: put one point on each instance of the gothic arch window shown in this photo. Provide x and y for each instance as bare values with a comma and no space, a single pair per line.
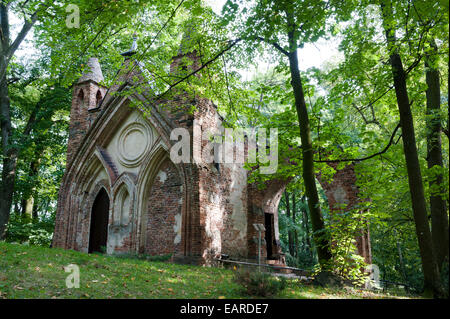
98,98
122,207
80,98
125,208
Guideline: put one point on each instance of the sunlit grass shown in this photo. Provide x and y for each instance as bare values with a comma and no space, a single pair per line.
36,272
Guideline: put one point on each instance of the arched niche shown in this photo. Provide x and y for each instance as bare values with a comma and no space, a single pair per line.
161,200
122,207
80,98
98,98
121,231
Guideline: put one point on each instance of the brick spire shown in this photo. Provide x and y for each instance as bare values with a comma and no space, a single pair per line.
86,99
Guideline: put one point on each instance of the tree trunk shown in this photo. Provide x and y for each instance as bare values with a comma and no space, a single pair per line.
400,258
28,199
439,219
10,151
9,159
27,207
419,207
319,235
306,228
288,213
294,232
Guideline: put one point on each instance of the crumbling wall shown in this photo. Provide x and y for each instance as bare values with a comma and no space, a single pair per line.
163,236
342,193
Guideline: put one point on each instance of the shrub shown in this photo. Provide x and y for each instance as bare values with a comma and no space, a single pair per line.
257,283
342,229
25,231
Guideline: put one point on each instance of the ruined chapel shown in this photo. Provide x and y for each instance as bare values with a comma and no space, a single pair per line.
121,193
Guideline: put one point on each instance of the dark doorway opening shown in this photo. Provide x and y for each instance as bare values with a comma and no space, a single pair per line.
268,223
98,234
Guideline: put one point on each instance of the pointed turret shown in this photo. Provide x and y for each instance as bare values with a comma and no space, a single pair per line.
93,72
86,99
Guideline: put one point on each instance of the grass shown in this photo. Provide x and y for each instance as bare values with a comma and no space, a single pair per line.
37,272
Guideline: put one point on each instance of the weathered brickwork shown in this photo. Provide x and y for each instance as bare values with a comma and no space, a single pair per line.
193,211
164,212
342,194
86,98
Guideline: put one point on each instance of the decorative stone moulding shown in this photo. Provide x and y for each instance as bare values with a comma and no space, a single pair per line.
133,143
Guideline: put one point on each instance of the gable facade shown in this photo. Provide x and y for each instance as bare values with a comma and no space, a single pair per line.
121,192
193,212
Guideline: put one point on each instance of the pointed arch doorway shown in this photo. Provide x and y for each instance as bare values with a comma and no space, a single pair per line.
98,234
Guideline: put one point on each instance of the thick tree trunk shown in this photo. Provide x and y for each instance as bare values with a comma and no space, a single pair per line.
9,159
419,206
9,150
27,207
438,207
309,179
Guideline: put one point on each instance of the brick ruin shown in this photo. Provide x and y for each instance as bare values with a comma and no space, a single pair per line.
122,193
342,194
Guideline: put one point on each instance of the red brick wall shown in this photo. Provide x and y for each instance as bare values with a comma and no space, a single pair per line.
164,204
83,113
205,198
261,201
343,190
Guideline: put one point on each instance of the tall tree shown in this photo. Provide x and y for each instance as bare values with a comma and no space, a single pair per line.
64,45
430,269
438,207
286,26
9,151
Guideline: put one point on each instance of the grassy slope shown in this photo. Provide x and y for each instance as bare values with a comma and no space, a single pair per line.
36,272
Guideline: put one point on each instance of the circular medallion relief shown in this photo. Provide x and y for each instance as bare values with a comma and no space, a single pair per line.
133,142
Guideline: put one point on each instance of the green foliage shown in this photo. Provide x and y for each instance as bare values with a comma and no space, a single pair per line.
22,230
303,259
342,228
42,153
304,255
345,226
387,244
259,283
